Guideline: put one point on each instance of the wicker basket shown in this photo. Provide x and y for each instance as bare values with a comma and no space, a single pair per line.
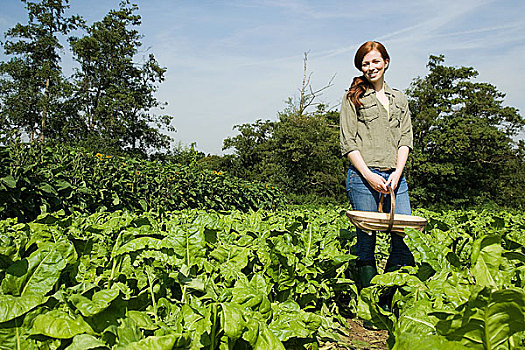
387,222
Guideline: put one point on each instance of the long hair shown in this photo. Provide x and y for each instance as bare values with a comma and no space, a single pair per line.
360,84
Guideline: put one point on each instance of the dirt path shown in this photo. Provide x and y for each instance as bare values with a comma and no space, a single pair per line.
360,338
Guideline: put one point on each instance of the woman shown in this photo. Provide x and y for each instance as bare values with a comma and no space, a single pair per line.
376,136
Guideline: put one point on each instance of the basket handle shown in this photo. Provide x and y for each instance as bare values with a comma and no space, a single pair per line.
392,207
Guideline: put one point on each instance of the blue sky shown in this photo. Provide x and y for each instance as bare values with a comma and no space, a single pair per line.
236,61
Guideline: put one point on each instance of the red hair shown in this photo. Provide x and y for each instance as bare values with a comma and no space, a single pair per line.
360,84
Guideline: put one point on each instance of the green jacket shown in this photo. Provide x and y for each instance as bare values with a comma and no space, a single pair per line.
373,131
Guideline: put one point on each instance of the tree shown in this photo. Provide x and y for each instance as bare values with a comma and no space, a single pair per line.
32,87
251,148
308,97
299,152
116,94
463,145
305,156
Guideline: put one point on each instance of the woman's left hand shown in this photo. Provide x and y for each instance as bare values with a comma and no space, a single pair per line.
393,179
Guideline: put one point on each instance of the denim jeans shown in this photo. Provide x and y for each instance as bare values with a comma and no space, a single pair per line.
363,197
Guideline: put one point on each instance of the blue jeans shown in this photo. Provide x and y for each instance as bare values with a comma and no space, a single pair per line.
364,197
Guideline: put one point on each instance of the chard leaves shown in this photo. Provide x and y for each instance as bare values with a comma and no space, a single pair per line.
99,302
12,307
486,259
488,319
59,324
37,274
260,280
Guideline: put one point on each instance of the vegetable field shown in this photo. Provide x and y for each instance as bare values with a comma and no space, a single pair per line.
195,279
49,178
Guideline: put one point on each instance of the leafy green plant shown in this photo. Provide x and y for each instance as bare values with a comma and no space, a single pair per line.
184,280
40,178
466,290
254,280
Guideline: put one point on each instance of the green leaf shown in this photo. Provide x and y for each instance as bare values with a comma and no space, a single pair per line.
454,287
232,320
266,339
289,321
86,342
488,319
100,301
414,318
9,181
139,244
196,320
430,253
188,244
17,338
47,188
253,295
398,278
58,324
115,197
486,259
165,342
109,317
142,319
252,331
128,333
67,250
192,283
232,260
368,309
12,307
410,341
36,274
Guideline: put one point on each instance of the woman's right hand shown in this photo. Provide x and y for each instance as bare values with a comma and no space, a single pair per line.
377,182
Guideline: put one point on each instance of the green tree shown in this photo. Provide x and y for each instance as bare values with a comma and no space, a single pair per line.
115,93
305,154
250,147
33,89
463,147
298,153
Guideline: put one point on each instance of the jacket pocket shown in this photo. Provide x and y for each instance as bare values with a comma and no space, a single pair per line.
395,115
367,113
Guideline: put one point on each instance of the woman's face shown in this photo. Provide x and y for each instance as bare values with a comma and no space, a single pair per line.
373,66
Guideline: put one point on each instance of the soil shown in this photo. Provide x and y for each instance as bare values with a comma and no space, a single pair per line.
359,338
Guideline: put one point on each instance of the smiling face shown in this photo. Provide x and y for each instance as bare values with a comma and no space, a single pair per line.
373,67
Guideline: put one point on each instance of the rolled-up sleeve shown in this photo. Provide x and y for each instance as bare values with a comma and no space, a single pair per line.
406,138
347,127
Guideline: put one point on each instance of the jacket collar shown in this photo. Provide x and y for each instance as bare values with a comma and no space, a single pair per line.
388,91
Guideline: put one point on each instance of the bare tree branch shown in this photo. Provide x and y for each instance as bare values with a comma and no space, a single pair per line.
308,95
